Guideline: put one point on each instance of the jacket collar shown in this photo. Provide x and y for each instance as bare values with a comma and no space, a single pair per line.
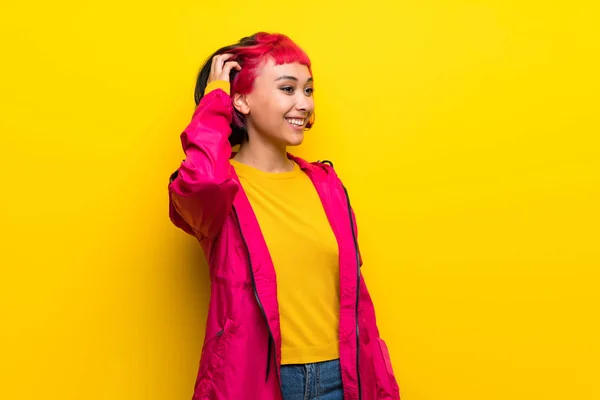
317,171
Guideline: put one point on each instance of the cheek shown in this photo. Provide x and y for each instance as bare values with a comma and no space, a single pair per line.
269,115
275,112
263,109
279,106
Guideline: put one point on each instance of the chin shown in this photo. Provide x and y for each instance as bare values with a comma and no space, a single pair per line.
295,140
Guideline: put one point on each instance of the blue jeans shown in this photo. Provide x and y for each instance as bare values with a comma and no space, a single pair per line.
319,381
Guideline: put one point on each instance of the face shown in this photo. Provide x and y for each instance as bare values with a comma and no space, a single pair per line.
280,104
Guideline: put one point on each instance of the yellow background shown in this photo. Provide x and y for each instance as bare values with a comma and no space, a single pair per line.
466,131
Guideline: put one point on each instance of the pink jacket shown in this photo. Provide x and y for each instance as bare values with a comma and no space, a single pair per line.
241,355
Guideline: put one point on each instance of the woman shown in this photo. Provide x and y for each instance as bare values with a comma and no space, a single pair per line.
290,316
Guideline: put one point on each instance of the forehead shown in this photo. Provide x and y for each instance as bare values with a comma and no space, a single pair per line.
270,71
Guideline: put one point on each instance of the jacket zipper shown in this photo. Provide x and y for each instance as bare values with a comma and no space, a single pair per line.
357,289
271,340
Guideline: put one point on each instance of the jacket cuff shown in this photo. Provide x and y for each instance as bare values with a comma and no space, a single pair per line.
220,84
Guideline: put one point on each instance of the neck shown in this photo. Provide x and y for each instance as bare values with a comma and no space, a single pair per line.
265,157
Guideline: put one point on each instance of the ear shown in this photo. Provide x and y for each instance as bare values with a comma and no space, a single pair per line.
240,102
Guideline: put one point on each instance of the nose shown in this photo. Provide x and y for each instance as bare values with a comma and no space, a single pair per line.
305,103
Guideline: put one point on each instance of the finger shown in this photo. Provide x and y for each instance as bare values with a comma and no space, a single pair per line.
216,63
213,64
222,58
229,65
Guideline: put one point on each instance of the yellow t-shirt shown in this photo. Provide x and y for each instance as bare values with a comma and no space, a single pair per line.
305,254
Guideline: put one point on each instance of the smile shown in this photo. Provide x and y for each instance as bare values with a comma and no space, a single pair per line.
296,121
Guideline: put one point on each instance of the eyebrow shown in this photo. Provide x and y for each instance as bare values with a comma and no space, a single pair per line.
291,78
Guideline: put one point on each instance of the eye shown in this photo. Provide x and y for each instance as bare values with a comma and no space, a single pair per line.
309,91
287,89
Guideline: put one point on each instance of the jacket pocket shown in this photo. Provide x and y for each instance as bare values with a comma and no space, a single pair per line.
386,382
212,362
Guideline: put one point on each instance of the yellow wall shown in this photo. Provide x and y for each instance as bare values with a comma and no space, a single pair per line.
466,131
